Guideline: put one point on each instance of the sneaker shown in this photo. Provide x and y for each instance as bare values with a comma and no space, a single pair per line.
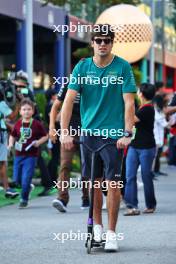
85,204
59,205
98,232
23,205
160,173
122,204
111,241
132,212
10,193
32,187
104,207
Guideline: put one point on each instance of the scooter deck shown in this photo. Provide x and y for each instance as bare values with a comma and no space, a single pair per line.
96,244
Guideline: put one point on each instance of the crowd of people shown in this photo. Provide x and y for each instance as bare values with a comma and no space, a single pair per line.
151,112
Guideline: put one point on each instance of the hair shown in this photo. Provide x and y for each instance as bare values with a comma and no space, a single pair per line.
27,101
158,85
49,93
147,90
103,30
159,101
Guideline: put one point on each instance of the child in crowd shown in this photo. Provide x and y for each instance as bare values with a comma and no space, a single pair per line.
141,152
28,134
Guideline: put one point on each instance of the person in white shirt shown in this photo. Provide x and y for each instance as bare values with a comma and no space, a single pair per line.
159,128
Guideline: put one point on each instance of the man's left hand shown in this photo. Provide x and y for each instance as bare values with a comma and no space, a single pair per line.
123,142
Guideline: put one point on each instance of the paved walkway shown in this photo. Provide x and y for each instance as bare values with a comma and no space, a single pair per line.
26,236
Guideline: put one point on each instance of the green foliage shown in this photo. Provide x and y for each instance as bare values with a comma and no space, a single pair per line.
83,52
41,103
137,75
92,8
105,2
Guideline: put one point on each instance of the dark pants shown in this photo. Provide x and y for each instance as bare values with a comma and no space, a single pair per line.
123,176
172,151
157,160
64,174
145,158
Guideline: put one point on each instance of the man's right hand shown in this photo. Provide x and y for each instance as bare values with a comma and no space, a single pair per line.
53,135
66,142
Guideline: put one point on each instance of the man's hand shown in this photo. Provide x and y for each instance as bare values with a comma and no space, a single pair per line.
123,142
52,135
67,142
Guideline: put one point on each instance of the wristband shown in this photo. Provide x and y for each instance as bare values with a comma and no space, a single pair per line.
127,134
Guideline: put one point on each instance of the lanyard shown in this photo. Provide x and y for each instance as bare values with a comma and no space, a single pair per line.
22,134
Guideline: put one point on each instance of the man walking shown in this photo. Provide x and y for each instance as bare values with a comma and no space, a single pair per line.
107,107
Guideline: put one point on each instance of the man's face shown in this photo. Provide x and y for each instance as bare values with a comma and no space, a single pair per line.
26,111
102,45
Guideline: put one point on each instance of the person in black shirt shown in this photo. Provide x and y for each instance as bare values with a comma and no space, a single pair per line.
141,152
172,141
66,156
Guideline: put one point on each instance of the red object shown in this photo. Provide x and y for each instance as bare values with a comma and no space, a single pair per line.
173,130
36,132
145,105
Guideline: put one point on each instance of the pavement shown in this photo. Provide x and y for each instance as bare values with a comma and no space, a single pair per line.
27,236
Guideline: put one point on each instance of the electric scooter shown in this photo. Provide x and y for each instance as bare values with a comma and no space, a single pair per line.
90,242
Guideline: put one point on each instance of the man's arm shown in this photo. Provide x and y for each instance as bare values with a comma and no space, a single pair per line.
66,114
169,110
53,116
129,118
129,111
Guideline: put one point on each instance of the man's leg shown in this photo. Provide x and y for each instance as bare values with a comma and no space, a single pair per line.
64,174
62,200
113,202
112,160
98,201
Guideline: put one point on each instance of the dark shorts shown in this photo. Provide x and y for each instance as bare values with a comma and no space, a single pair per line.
108,161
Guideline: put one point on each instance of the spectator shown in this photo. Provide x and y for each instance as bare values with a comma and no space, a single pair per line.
21,82
172,141
28,134
5,112
159,125
66,155
51,95
141,152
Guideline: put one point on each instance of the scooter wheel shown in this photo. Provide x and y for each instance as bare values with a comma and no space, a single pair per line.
89,246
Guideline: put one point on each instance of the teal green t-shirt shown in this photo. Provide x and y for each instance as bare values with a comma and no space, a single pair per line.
101,90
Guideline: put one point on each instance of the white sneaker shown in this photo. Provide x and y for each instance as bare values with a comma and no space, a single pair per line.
98,231
104,205
122,204
111,241
59,205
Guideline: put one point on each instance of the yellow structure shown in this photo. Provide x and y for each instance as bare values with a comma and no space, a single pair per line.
134,31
